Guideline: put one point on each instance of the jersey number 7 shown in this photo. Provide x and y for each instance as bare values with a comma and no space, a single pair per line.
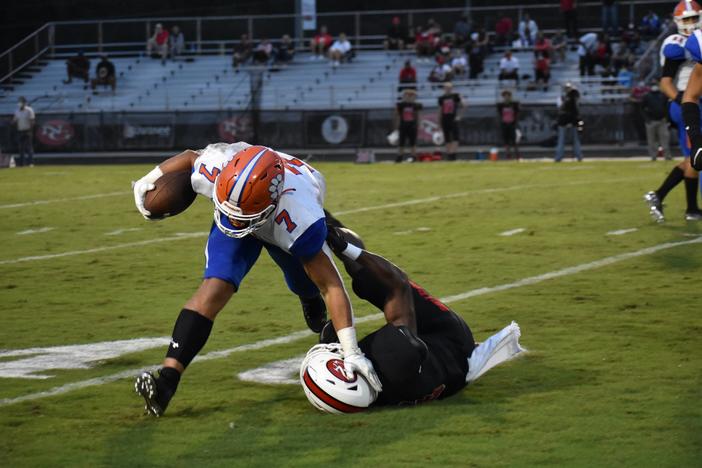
284,217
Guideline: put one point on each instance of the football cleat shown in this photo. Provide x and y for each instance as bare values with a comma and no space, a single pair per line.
655,206
315,312
145,385
693,216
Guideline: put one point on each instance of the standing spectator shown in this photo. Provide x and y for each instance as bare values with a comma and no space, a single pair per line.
397,33
263,53
78,66
459,64
406,120
559,46
450,105
242,51
340,50
503,31
509,67
568,121
104,74
285,52
408,77
320,43
654,105
508,113
542,70
650,25
542,45
176,41
24,120
527,30
610,17
476,56
461,32
441,72
570,18
158,43
586,52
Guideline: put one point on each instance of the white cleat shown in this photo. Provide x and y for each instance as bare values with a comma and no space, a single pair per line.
655,207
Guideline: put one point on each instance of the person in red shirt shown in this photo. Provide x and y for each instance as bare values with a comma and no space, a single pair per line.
570,18
320,43
503,31
158,42
542,45
408,77
542,70
424,43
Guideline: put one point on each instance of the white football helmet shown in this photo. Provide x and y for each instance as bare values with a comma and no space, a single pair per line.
687,17
327,386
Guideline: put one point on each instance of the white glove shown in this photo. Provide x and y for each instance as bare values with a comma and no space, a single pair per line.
358,362
142,186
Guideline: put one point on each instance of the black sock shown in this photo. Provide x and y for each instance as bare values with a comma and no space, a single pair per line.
691,189
190,334
674,178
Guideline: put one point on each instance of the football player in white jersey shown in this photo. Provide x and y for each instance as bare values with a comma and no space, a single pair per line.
262,199
677,64
691,100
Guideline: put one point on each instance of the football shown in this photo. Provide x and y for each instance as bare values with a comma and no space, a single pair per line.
173,195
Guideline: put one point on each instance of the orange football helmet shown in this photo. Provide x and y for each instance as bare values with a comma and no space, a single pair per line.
247,190
687,16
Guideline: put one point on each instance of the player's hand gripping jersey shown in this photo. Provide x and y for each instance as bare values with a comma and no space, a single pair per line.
297,226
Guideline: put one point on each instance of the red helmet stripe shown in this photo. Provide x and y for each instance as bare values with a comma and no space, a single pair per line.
328,399
240,184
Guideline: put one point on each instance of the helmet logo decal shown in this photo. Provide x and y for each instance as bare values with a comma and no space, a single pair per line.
276,187
336,367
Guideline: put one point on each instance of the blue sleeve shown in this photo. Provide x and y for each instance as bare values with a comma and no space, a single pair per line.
692,45
311,241
674,51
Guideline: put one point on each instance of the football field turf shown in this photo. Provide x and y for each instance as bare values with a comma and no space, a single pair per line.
607,302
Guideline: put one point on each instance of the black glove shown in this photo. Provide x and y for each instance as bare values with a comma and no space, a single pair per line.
336,240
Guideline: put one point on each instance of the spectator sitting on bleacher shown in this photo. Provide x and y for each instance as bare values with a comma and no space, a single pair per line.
632,38
104,74
158,43
542,45
78,66
623,57
176,41
442,72
603,51
625,77
285,51
424,43
320,43
476,56
408,77
542,70
503,31
559,46
397,34
650,25
433,27
461,32
527,30
340,50
263,52
242,51
509,67
459,64
586,52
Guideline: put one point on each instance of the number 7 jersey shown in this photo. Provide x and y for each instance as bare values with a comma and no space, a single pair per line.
297,226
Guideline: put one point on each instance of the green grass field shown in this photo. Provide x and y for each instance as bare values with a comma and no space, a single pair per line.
612,377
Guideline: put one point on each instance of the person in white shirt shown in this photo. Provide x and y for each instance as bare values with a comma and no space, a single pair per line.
586,48
24,120
528,30
339,50
509,67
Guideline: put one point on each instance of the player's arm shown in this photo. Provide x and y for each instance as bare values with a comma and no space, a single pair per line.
178,163
670,69
691,115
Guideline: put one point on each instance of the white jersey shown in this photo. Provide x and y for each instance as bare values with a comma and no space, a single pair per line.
301,203
673,48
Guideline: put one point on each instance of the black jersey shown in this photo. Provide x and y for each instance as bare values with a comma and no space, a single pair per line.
409,377
449,104
409,112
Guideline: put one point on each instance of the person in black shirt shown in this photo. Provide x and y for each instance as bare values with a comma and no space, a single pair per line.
104,74
450,104
654,105
397,34
78,66
406,119
508,113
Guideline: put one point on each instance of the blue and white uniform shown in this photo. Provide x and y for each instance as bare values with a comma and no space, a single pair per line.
296,231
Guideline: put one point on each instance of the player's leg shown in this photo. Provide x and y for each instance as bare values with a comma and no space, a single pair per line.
403,138
691,177
413,141
228,260
560,144
576,144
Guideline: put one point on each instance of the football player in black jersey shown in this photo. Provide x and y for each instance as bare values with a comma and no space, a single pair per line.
406,121
450,105
425,351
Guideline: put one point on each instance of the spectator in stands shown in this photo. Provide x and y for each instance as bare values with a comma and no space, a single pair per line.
78,66
459,64
397,34
503,31
610,17
508,114
625,76
542,70
408,77
603,51
542,45
340,50
570,18
441,72
622,57
654,105
568,121
104,74
586,51
24,119
527,30
433,27
476,56
559,46
242,51
650,25
632,38
406,121
509,67
285,52
424,43
450,105
176,41
461,32
263,52
320,43
158,43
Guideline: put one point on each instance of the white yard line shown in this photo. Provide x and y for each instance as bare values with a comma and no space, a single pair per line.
306,333
35,231
59,200
117,232
410,231
621,232
512,232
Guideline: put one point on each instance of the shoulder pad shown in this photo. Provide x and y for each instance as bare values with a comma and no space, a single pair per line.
693,46
673,47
